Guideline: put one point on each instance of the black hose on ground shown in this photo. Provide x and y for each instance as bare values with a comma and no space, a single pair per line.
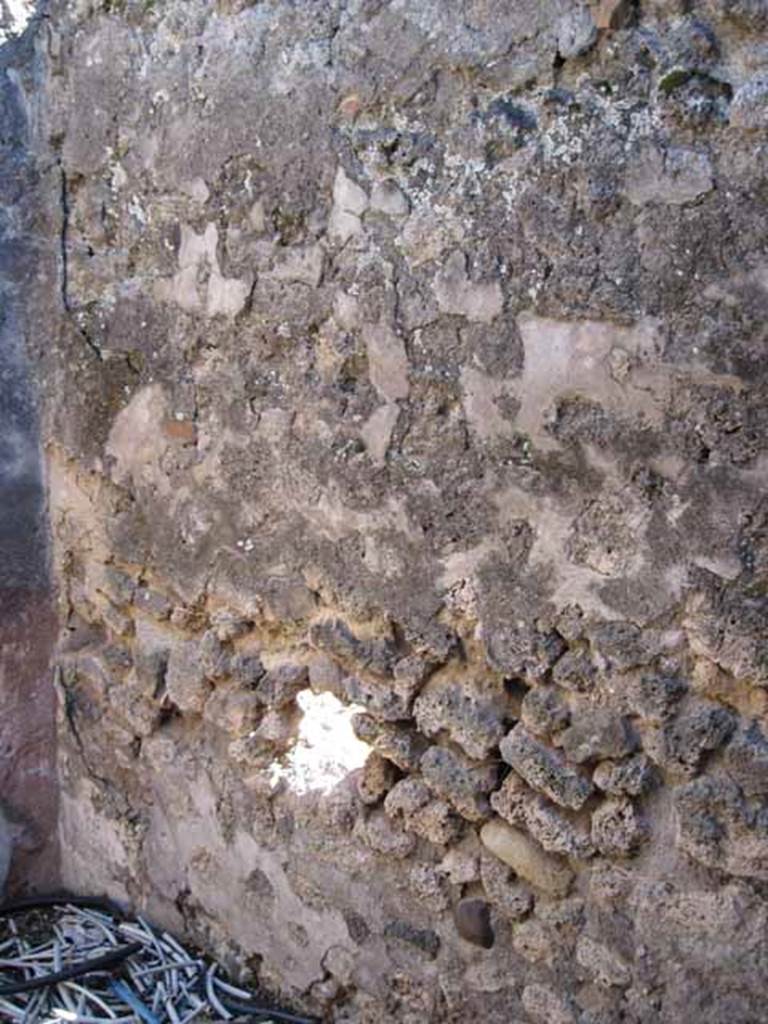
261,1012
61,900
98,963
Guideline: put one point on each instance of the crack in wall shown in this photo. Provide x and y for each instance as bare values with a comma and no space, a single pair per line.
64,252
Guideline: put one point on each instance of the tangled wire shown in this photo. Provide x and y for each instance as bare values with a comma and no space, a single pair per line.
77,960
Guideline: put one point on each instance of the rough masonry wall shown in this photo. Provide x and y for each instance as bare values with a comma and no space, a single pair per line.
405,374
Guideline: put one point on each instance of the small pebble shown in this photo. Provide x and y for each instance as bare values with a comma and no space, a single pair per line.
473,922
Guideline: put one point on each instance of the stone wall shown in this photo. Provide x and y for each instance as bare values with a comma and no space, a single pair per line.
405,414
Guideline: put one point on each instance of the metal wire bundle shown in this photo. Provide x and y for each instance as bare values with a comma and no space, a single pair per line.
80,961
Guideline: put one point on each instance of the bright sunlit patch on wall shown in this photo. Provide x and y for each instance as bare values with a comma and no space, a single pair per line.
14,17
326,750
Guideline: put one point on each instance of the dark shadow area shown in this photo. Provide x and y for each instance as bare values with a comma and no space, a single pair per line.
27,618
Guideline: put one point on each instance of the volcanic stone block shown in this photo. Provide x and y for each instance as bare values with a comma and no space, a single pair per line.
470,711
376,778
596,734
521,806
185,678
718,828
632,777
410,802
401,744
617,830
746,759
545,770
544,711
463,783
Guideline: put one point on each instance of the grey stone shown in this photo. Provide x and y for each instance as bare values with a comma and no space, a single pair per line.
749,109
276,731
401,744
610,883
617,830
121,586
623,645
423,939
149,671
214,657
228,625
544,770
576,32
384,836
746,759
406,797
247,669
718,828
437,822
568,916
470,712
726,624
748,14
523,649
543,711
411,804
325,675
410,674
597,734
461,864
116,622
387,197
376,695
675,176
472,918
575,671
520,806
377,776
430,886
507,893
237,712
463,783
654,696
186,682
457,294
288,599
681,745
335,637
631,777
153,602
280,685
